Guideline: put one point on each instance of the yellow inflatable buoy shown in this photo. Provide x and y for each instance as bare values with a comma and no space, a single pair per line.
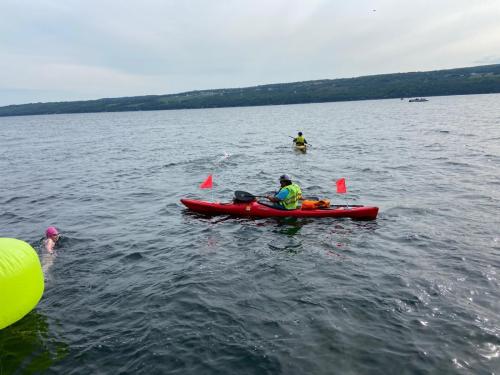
21,280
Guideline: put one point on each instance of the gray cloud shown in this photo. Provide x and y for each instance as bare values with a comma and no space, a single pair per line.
76,49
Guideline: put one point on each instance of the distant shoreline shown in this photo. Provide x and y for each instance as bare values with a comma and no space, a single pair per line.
462,81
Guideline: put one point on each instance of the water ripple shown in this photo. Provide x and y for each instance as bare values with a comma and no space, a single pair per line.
141,285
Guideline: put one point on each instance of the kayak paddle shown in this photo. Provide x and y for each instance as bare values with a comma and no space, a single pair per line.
245,196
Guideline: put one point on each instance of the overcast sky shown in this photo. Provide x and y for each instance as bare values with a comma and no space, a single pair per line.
61,50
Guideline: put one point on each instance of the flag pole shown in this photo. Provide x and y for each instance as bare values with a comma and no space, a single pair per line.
208,184
212,189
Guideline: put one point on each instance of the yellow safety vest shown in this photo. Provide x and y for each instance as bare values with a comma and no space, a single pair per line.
291,202
300,140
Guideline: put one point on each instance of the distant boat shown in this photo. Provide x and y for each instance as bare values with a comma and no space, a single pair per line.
418,100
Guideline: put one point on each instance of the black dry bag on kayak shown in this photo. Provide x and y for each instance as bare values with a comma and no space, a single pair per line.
243,197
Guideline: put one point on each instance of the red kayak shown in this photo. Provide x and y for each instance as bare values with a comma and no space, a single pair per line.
256,209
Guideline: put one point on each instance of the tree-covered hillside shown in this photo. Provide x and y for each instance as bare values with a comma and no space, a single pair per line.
462,81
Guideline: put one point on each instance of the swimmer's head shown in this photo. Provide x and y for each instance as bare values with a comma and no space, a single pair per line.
51,231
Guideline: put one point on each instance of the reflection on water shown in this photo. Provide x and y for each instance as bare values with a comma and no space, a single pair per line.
28,347
48,259
289,226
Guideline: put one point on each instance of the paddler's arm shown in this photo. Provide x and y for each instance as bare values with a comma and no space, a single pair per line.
279,197
49,245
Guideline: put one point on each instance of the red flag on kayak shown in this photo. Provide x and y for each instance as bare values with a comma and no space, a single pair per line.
207,184
341,189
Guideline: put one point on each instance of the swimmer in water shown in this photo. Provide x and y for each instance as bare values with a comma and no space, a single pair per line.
51,238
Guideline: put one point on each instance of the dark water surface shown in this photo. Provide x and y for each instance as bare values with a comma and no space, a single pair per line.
141,286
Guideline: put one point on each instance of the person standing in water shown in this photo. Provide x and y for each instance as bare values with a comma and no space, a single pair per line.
49,254
299,140
51,238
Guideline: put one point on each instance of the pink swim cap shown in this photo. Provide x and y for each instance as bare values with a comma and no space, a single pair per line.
51,231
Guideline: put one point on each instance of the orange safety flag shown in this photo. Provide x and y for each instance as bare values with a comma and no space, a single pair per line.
341,189
207,184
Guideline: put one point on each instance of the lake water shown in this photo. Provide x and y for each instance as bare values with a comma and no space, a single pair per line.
142,286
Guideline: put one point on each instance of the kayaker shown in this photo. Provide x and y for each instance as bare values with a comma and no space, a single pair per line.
287,198
300,140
